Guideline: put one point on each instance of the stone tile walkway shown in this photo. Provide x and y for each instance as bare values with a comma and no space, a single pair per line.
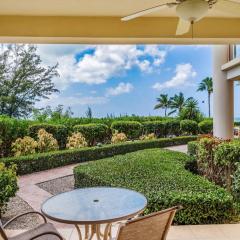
35,196
179,148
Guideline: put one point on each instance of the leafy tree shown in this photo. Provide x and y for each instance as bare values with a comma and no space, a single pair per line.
191,111
59,113
23,80
48,113
177,102
207,85
89,113
163,103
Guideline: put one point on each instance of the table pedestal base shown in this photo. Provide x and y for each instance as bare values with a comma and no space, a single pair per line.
95,230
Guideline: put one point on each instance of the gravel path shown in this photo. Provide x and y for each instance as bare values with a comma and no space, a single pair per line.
58,185
17,206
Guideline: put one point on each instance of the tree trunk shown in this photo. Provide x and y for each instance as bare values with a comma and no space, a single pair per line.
165,112
209,104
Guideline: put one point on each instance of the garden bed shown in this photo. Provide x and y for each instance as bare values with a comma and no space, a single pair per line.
160,175
43,161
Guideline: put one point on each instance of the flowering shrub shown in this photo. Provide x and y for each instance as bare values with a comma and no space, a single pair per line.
118,137
205,157
76,141
24,146
46,142
8,185
150,136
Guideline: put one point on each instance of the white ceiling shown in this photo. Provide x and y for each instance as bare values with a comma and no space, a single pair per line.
87,8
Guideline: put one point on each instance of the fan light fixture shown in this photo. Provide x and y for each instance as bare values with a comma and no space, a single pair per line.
192,11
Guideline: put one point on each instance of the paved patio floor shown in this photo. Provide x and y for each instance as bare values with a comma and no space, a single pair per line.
35,196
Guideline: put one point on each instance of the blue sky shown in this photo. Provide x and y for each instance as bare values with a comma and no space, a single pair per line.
126,79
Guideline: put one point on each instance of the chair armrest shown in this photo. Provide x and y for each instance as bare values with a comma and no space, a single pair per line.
47,233
23,214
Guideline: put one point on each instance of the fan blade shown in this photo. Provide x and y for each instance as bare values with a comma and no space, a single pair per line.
147,11
183,27
228,7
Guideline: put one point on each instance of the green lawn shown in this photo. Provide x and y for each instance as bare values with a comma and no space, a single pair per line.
160,175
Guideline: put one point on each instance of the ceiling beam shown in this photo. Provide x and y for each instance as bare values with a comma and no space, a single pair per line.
61,29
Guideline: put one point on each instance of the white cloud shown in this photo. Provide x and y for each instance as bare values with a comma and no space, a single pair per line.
183,73
101,64
158,55
120,89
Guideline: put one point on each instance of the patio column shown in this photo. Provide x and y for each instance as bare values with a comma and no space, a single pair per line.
223,110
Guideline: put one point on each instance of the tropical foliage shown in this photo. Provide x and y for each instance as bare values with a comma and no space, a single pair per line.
207,85
163,103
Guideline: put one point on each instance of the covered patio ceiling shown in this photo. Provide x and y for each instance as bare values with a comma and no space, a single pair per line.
98,21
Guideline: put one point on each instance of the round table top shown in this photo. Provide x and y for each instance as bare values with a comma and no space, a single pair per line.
94,205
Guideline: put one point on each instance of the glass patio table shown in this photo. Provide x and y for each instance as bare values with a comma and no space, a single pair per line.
93,207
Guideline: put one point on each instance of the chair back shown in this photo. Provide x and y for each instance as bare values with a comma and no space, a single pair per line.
154,226
3,235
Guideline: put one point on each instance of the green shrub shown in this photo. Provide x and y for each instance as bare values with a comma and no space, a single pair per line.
44,161
206,126
205,159
59,132
160,175
192,148
226,155
132,129
189,127
236,183
93,132
192,166
172,127
10,130
156,127
8,185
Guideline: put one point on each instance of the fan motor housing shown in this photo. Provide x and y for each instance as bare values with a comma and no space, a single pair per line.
193,10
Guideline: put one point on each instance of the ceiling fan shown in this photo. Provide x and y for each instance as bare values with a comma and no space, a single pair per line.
190,11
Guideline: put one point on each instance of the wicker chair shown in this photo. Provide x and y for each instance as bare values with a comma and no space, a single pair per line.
45,231
154,226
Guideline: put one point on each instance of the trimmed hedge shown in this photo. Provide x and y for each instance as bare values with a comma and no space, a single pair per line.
132,129
189,126
206,126
172,127
156,127
10,130
160,175
44,161
59,132
192,148
93,132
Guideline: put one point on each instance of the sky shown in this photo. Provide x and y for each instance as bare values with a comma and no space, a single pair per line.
126,79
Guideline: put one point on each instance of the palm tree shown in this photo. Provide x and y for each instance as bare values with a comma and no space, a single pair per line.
163,102
207,85
191,110
177,102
